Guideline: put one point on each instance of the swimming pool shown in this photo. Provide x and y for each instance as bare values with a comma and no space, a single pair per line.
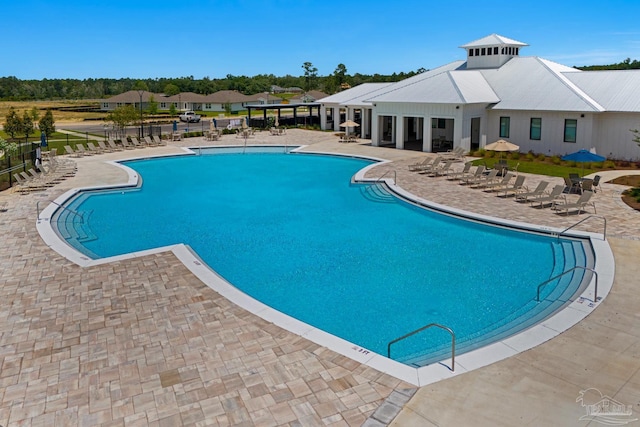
353,260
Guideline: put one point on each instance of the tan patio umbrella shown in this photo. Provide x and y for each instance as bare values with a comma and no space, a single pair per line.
276,123
501,146
348,124
244,123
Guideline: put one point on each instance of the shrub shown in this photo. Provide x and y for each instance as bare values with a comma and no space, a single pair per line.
490,154
609,164
515,155
556,160
530,156
541,157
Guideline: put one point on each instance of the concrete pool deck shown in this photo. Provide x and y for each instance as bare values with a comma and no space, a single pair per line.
143,342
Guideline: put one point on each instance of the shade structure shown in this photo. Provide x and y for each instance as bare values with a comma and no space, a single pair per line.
502,145
584,156
348,124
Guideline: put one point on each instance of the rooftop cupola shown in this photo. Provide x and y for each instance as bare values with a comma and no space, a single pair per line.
491,51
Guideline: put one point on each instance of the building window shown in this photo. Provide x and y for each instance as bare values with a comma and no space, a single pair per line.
207,106
105,105
477,52
163,105
570,128
484,51
470,52
535,129
504,127
495,50
489,51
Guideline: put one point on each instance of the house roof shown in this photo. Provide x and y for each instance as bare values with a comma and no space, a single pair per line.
132,96
492,40
450,84
185,97
355,95
617,90
532,83
232,96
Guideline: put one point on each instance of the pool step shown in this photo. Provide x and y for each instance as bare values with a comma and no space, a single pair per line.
75,228
377,193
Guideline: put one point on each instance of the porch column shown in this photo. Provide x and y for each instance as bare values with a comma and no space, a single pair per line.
375,130
427,144
323,117
398,123
336,119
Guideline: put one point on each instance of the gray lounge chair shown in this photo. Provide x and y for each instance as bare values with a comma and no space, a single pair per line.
467,179
482,180
556,193
578,205
530,195
514,188
420,165
461,173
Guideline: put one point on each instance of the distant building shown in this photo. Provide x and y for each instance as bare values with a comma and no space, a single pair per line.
540,105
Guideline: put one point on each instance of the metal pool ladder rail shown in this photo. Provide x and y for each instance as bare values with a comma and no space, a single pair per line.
395,176
430,325
595,273
604,232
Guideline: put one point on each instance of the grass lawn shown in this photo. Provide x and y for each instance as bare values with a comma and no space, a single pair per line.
547,167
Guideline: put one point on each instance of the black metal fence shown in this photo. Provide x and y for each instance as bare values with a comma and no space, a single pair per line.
21,161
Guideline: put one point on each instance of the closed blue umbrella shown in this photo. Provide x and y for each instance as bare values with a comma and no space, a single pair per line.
175,126
43,139
584,156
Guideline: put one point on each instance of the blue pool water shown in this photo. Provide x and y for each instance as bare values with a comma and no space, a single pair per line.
293,232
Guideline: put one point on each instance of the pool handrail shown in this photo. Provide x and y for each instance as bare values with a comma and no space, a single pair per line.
395,176
595,273
64,208
430,325
604,232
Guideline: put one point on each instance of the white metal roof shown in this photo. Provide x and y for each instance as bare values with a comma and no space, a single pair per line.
492,40
446,87
531,83
355,95
615,90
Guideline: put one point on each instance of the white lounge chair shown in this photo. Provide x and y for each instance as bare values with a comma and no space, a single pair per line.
478,173
500,184
414,167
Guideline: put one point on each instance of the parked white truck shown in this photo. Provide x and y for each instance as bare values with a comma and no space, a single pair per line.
189,117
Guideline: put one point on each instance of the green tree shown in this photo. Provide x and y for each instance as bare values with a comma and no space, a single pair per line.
47,124
636,135
152,106
170,89
27,125
173,110
227,108
13,123
122,117
7,148
310,76
35,114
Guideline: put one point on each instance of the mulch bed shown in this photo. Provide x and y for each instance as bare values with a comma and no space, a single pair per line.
632,181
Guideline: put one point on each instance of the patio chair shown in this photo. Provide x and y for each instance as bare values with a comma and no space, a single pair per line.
461,173
104,147
149,141
70,151
530,195
586,185
441,170
514,188
114,146
81,149
467,179
126,144
482,180
596,183
136,143
158,140
428,168
542,201
571,186
414,167
579,205
93,149
498,185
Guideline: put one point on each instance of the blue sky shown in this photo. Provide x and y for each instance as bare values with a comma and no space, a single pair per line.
213,38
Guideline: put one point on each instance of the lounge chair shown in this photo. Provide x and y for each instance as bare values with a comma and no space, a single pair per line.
70,151
93,149
104,147
150,142
556,193
579,205
456,154
80,149
136,143
478,173
461,173
414,167
482,180
500,184
441,170
530,195
159,141
514,188
114,146
126,144
428,168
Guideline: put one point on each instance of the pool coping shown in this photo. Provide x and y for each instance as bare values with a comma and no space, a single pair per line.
531,337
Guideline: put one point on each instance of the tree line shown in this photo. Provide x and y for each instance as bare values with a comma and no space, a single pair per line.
14,89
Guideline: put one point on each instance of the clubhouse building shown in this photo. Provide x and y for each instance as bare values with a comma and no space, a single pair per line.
540,105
